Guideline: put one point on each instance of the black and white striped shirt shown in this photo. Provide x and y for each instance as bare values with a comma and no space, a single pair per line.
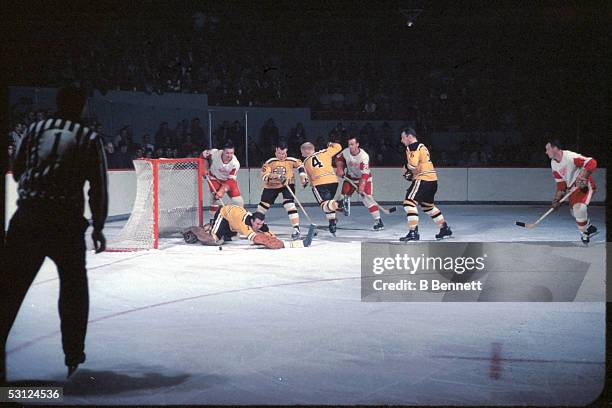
53,161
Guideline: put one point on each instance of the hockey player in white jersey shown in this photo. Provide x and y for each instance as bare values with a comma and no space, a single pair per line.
572,171
222,172
354,164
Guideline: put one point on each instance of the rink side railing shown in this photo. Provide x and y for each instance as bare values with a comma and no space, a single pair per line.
492,185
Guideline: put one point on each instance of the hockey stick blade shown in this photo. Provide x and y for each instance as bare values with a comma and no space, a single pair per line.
525,224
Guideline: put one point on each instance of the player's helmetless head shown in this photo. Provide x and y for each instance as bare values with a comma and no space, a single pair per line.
257,221
228,152
307,149
553,150
280,151
353,144
408,136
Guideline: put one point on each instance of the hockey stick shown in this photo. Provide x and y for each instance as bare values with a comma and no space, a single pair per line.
546,214
212,187
383,209
300,204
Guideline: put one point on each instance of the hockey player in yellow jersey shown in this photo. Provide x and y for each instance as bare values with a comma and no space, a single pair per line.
322,177
231,220
278,177
420,170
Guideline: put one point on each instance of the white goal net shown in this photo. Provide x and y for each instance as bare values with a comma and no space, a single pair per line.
168,200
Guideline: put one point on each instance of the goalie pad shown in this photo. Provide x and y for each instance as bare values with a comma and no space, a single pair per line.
268,241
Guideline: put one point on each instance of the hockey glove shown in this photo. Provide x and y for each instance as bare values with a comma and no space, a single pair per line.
556,203
221,191
582,182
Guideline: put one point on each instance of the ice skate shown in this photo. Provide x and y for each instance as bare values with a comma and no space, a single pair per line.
332,227
413,235
379,226
296,233
445,231
588,233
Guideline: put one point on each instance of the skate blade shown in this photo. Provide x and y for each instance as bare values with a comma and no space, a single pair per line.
446,237
590,237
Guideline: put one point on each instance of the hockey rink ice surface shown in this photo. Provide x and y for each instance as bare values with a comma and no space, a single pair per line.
189,324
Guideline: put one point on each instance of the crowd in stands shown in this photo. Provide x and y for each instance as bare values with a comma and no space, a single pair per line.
197,56
237,62
187,138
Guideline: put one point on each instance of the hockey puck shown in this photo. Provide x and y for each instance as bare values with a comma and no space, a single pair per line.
220,249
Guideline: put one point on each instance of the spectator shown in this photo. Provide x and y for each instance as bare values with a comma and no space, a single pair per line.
256,155
386,133
237,131
111,158
337,133
370,106
197,134
146,142
269,135
138,153
122,138
163,136
188,146
11,155
179,132
320,142
222,134
124,158
99,129
16,134
297,137
30,118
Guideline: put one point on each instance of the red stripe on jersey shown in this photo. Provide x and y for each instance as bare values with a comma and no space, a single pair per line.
591,165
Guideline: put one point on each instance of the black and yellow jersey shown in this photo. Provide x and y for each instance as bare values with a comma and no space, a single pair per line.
274,168
237,219
419,162
318,165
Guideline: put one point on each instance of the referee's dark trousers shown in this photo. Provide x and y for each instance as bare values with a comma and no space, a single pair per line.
33,235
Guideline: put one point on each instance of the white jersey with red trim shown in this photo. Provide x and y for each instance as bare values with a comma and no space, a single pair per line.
571,164
357,166
223,171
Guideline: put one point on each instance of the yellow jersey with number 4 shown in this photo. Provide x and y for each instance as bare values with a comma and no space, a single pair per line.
318,165
419,162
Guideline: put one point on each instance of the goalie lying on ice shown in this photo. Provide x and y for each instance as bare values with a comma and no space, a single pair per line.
232,220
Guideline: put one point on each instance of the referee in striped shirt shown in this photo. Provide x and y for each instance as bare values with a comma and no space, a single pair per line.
54,160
